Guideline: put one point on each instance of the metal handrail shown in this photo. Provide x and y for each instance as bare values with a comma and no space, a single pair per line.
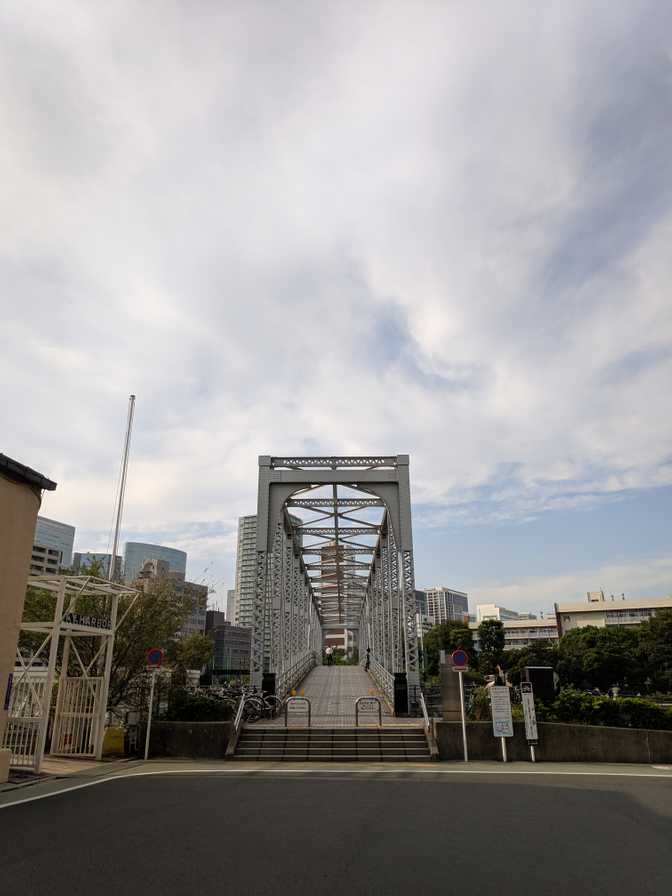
380,710
296,700
425,714
383,678
239,713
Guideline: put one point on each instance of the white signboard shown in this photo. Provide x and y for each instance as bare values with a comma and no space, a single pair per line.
500,703
529,712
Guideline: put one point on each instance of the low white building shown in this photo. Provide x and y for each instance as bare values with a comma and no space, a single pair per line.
522,632
493,611
605,612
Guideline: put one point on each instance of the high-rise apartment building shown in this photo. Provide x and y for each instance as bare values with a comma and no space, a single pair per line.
52,546
137,552
246,571
230,604
446,605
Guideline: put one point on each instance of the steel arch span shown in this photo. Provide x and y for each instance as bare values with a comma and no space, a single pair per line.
334,549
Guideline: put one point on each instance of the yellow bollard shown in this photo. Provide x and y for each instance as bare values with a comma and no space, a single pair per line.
113,742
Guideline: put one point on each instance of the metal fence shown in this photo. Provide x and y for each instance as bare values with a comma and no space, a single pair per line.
27,720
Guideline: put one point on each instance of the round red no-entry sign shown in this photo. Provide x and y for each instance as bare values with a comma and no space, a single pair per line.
460,659
154,657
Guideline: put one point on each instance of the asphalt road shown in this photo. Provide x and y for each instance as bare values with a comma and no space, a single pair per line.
350,834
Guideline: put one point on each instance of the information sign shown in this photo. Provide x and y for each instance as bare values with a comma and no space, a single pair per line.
500,703
529,712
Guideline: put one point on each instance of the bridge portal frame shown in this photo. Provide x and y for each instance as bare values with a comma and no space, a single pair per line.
388,616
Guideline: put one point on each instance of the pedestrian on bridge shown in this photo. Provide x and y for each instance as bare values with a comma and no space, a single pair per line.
367,664
329,652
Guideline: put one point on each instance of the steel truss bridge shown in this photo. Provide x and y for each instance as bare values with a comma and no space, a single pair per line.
334,552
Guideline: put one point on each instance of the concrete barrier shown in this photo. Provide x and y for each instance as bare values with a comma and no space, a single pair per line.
198,740
557,743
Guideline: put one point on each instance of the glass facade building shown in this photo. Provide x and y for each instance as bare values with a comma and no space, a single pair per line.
55,536
136,552
103,560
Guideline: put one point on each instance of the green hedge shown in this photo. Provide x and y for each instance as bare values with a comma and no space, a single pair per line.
616,712
185,706
584,709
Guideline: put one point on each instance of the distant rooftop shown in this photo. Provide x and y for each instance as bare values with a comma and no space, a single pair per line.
12,469
618,603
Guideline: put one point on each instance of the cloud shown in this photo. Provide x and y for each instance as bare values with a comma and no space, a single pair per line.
443,232
646,576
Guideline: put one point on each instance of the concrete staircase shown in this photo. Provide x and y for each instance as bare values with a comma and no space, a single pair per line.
386,744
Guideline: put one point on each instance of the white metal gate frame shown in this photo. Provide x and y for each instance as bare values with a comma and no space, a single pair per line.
81,704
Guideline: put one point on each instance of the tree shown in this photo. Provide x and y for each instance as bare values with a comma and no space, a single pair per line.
446,636
539,653
154,620
491,637
655,650
592,657
192,652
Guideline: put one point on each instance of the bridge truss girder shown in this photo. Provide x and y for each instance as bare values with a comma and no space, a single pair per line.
296,599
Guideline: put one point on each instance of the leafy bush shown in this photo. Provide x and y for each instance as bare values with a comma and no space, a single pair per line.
186,706
479,705
617,712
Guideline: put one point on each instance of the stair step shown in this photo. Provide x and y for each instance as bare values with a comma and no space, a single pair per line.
351,744
282,757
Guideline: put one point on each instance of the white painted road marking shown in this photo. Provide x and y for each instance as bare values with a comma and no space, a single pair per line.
340,771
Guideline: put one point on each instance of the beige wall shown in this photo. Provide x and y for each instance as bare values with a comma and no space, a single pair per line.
580,620
19,505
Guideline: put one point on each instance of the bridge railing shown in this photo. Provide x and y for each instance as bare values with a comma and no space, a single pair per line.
296,673
384,679
297,700
368,702
425,714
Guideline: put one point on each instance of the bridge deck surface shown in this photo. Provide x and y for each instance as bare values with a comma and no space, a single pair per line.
332,691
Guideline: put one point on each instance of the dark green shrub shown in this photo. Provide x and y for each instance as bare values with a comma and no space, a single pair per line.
617,712
186,706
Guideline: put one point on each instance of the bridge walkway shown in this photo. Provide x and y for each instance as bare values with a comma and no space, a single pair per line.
332,691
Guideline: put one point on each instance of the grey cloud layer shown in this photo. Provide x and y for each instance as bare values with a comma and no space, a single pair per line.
435,228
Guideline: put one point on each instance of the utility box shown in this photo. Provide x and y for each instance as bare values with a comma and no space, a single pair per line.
268,683
542,680
400,694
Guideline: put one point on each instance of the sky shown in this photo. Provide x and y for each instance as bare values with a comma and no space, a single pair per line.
440,229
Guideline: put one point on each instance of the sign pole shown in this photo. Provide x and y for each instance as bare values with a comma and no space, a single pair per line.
530,716
464,723
503,739
151,708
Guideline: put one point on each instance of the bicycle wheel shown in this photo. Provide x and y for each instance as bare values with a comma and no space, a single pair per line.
273,705
253,709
